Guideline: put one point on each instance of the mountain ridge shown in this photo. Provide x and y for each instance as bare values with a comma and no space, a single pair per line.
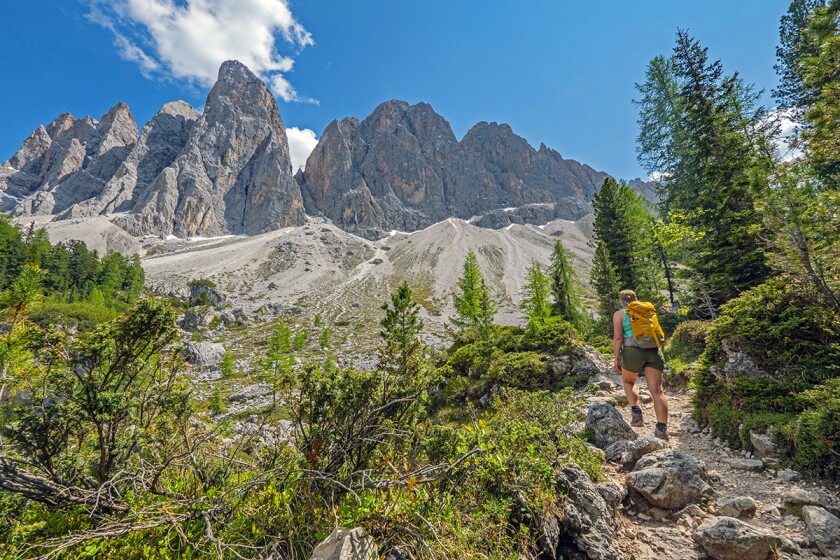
228,170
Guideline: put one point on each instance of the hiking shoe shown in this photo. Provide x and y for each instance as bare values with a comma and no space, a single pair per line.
636,418
661,432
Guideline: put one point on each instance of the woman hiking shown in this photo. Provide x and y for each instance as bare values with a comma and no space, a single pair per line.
630,361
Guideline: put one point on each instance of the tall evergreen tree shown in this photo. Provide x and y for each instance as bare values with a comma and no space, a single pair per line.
625,225
793,50
400,332
718,157
473,306
567,303
614,227
604,280
820,67
537,291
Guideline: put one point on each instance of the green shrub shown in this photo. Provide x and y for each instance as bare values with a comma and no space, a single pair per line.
217,403
782,329
81,315
553,335
227,365
688,341
816,432
796,344
523,370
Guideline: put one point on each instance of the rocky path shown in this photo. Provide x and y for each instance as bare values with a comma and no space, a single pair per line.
696,499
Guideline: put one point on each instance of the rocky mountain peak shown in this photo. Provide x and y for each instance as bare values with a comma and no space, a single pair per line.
178,109
32,149
117,129
60,124
233,175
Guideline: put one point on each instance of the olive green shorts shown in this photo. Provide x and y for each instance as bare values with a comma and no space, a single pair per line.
636,359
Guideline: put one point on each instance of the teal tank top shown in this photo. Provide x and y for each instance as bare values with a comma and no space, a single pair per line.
625,323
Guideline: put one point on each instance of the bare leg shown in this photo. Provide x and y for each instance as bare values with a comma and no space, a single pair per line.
630,389
660,401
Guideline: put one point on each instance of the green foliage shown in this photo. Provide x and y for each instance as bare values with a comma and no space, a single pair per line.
794,48
325,338
70,272
796,344
401,347
554,335
202,282
522,370
625,226
782,329
93,399
818,61
80,315
473,307
604,280
703,130
227,365
217,402
815,434
537,292
807,229
317,321
686,344
568,304
300,340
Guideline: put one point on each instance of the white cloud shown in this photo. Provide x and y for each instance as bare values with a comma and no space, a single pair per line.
189,39
658,176
788,129
301,144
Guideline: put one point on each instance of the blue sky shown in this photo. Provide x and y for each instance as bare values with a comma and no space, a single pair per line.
559,72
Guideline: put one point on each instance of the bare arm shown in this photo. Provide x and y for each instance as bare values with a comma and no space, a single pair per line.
618,339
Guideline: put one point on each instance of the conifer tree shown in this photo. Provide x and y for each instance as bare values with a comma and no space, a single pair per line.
537,290
793,51
567,303
473,305
820,67
401,327
717,157
605,282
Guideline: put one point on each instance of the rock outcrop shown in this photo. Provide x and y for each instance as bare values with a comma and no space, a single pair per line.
611,432
346,544
402,168
670,479
584,526
67,162
725,538
234,174
160,142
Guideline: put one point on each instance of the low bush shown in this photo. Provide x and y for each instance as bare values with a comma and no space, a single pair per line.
795,395
688,341
80,315
523,370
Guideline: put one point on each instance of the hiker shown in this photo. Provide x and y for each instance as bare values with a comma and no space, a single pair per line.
631,360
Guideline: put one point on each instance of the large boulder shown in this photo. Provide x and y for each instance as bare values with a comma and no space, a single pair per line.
763,445
608,424
824,528
742,506
669,479
585,527
204,354
644,445
346,544
725,538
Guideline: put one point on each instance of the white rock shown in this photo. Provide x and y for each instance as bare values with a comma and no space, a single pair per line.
346,544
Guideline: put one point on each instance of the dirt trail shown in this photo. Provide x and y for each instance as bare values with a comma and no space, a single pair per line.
648,532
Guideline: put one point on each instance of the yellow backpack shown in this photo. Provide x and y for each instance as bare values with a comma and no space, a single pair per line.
645,324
